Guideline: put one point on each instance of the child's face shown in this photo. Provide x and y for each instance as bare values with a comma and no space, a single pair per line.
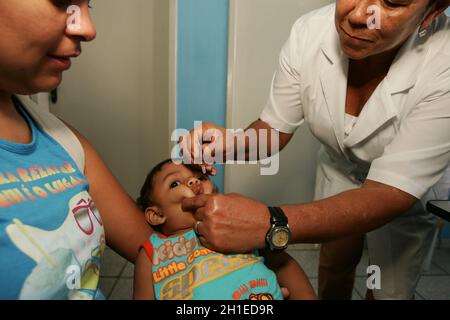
171,186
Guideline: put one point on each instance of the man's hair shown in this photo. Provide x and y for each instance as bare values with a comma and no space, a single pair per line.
143,200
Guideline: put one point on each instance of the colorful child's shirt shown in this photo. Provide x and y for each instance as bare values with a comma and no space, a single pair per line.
51,234
185,270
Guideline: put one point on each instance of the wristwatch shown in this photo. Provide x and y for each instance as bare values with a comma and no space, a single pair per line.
279,234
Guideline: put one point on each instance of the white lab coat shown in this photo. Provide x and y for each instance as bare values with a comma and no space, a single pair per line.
402,136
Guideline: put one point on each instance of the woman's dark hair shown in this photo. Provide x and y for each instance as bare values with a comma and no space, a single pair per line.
143,200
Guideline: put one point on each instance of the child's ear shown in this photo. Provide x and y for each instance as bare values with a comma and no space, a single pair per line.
154,216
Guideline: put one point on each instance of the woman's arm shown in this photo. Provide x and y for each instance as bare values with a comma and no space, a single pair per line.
233,223
143,281
290,275
125,226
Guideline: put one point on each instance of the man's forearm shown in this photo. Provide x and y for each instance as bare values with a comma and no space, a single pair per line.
349,213
260,135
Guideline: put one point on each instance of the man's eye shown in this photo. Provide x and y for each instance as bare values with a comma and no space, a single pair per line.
175,184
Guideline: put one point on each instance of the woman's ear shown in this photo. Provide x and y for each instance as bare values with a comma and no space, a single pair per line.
436,10
154,216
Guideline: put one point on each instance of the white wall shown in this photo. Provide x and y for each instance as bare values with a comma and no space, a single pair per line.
258,29
117,93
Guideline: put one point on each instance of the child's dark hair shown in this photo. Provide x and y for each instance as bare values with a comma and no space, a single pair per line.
146,191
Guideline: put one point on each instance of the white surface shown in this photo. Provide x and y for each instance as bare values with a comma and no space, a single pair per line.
258,29
43,100
349,123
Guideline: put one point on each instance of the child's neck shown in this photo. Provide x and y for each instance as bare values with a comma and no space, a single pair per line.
172,233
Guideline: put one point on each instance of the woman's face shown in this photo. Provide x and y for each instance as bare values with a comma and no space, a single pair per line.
398,20
37,42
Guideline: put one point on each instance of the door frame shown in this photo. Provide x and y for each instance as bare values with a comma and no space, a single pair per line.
173,50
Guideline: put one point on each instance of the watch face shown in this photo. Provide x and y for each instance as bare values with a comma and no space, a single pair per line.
280,237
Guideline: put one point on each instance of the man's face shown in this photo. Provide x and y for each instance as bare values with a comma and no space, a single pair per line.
171,186
398,20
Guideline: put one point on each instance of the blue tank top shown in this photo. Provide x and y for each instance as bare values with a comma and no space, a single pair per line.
51,234
185,270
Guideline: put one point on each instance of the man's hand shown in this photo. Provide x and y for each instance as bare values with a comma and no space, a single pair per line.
209,144
204,144
229,223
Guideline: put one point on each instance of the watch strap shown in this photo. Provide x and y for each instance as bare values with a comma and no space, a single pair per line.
278,217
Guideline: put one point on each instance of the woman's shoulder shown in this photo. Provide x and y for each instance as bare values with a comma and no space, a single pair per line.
436,69
57,129
310,31
440,41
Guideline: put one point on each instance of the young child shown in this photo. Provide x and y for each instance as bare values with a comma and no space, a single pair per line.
173,265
